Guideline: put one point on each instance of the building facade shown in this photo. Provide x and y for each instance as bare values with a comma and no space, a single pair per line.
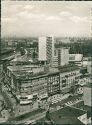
35,84
76,59
63,56
45,49
53,84
69,79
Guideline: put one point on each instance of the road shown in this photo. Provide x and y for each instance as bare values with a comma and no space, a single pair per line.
37,114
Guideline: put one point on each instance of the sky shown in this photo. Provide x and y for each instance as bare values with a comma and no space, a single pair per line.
57,18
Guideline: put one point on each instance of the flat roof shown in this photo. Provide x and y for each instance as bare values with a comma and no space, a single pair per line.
61,121
22,71
88,109
69,111
68,68
21,67
67,115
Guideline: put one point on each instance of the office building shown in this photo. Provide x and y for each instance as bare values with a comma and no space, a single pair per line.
76,59
69,76
55,58
63,56
45,49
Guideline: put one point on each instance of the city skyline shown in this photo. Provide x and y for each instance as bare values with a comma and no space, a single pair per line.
44,18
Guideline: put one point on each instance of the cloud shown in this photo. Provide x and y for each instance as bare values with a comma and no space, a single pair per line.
77,19
29,15
28,7
54,18
7,19
65,14
25,19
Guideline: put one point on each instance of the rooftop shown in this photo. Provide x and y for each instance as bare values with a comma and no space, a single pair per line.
88,109
66,116
22,67
69,112
31,71
27,72
68,68
61,121
75,57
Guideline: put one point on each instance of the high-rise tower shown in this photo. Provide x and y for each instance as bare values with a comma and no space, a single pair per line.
46,49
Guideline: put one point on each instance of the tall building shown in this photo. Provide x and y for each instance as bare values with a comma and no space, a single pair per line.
63,56
45,49
55,58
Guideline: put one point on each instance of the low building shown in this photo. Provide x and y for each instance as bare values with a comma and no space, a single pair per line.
23,72
53,83
66,116
76,59
30,82
53,87
69,76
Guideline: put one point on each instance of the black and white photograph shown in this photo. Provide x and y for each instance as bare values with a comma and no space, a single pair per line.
46,63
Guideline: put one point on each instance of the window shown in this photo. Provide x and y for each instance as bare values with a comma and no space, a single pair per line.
64,81
64,85
55,53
